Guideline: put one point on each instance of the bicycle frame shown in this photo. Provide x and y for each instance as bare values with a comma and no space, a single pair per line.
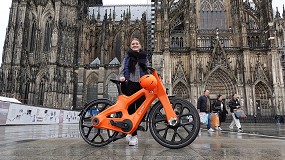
103,119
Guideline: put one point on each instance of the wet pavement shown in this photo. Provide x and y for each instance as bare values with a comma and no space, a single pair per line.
63,142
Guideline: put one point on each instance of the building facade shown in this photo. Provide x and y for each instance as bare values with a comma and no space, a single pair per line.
62,53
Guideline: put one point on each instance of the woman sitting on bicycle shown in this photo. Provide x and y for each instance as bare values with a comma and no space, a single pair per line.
133,67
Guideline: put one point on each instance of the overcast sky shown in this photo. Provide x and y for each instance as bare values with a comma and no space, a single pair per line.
6,4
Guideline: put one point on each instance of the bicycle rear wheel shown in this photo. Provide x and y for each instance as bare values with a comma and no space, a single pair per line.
180,135
95,136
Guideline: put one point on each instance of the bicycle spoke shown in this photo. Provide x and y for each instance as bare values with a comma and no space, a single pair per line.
86,126
165,133
159,120
109,133
181,138
186,129
89,131
92,140
173,137
166,128
185,115
161,115
188,123
86,118
102,138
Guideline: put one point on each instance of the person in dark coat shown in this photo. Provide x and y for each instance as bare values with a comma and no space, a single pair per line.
219,106
203,105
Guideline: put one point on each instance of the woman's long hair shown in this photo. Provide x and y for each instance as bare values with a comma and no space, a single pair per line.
137,57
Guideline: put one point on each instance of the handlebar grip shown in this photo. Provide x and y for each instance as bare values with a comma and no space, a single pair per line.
115,81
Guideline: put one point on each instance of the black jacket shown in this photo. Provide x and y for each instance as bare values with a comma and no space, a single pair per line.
222,112
202,104
234,104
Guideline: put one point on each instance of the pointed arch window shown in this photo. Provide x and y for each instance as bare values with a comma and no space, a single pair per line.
180,90
33,37
262,99
26,92
41,92
136,34
48,34
252,25
92,90
92,87
117,49
112,91
177,33
177,42
181,42
212,14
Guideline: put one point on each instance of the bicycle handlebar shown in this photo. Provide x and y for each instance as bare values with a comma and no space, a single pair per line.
117,82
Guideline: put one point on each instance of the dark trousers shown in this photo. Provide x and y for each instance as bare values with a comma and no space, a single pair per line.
129,88
209,121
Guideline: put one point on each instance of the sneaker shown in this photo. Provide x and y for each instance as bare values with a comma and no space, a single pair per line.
133,141
220,128
128,137
211,130
231,128
239,130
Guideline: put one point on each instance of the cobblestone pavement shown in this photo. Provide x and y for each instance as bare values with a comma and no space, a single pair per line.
63,142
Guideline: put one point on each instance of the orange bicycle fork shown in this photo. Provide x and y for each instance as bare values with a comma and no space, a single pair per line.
129,123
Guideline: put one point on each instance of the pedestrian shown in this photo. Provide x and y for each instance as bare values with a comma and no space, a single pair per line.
219,106
203,105
134,66
234,104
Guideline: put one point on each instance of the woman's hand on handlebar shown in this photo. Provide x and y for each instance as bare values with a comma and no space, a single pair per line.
122,79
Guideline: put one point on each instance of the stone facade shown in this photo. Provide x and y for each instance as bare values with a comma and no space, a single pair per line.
62,53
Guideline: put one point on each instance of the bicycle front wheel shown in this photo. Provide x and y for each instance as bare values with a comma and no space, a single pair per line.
180,135
95,136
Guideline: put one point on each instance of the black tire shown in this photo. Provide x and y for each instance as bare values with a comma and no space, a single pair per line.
94,136
180,135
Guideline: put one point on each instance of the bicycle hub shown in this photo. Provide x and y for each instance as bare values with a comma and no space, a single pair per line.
172,121
95,121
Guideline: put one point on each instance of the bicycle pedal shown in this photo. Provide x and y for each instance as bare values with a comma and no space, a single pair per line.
141,128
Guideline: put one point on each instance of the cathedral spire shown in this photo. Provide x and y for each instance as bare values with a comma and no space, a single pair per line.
283,15
277,13
105,16
110,15
114,14
130,14
98,15
93,15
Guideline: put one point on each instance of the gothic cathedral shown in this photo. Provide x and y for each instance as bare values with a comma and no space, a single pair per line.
63,53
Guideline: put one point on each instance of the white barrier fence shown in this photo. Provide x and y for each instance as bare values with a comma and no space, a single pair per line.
13,113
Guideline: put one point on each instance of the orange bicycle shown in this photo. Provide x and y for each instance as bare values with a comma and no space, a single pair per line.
173,122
